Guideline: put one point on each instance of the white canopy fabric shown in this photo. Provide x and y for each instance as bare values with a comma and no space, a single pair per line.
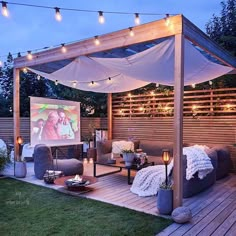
154,65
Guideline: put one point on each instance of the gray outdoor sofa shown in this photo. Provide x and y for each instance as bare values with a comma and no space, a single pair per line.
43,160
220,158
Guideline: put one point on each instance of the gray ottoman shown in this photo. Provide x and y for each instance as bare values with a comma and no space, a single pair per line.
43,160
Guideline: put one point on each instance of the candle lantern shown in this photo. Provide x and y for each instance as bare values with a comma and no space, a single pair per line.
166,159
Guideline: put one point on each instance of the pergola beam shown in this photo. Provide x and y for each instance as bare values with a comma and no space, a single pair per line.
16,111
178,120
197,37
143,33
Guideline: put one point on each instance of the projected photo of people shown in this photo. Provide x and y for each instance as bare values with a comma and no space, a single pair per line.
54,122
64,128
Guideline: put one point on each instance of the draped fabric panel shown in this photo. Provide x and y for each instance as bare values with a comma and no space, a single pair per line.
154,65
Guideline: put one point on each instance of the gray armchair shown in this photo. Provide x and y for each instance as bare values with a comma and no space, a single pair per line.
43,160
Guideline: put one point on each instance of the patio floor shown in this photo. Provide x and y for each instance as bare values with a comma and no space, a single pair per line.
214,210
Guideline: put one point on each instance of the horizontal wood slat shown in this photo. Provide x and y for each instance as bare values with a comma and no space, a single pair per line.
199,131
213,102
6,127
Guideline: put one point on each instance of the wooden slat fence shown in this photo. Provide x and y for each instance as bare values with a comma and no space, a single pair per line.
6,127
197,103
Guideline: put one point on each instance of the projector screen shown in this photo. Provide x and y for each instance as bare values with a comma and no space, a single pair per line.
54,122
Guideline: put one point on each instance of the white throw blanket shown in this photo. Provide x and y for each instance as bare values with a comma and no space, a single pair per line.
197,161
148,180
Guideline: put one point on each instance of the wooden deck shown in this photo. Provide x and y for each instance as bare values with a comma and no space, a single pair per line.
214,210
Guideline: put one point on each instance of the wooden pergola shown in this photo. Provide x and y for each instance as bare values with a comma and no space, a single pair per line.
179,27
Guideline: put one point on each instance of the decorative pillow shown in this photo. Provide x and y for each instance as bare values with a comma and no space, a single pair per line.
118,146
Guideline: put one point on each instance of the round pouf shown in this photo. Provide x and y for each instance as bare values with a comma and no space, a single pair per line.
181,215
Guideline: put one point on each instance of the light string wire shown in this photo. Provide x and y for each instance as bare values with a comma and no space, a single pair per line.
71,9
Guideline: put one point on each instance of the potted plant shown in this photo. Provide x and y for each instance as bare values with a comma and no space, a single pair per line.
4,160
165,198
128,156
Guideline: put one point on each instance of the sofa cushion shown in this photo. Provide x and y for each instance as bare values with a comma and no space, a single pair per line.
154,148
196,185
224,161
119,146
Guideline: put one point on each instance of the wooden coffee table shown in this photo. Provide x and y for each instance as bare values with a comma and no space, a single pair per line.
78,188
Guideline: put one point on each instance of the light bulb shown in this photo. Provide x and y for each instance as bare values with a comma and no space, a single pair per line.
157,85
58,16
101,18
137,19
152,93
29,55
129,94
167,20
38,77
96,40
74,83
210,82
25,70
63,48
0,63
56,82
193,85
131,32
5,11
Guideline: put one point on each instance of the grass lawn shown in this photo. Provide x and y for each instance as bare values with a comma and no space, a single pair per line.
27,209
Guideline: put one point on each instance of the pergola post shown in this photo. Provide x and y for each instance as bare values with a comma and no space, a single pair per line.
16,111
109,115
178,119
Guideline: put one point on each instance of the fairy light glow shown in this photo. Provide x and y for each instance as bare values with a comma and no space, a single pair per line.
137,19
5,11
101,18
58,15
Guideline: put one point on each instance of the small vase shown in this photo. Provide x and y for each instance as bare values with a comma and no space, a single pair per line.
20,169
165,201
128,158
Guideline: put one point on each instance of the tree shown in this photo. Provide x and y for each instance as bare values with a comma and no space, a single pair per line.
92,104
222,29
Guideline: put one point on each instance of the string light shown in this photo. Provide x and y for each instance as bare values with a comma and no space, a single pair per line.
157,85
136,19
96,40
38,77
167,19
141,108
29,55
193,85
194,107
1,63
131,32
101,18
4,9
63,48
74,84
210,82
129,94
25,70
58,16
56,82
152,93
